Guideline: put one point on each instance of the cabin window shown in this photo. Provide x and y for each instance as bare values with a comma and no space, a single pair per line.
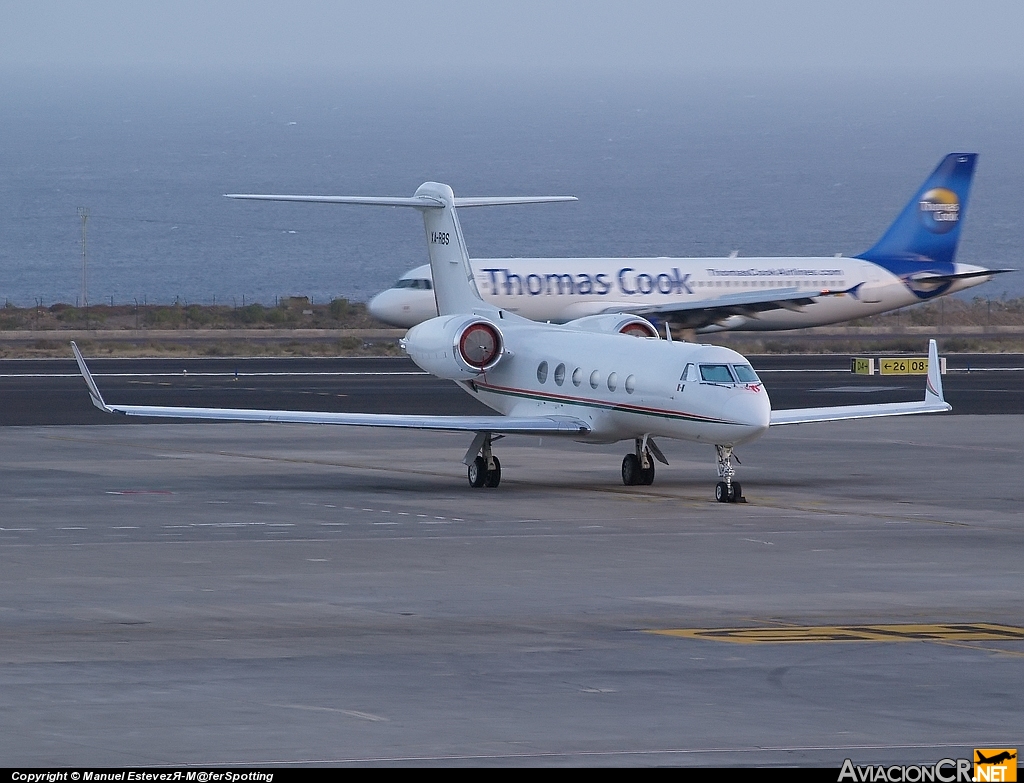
559,375
595,379
716,373
745,373
577,377
613,381
630,384
542,372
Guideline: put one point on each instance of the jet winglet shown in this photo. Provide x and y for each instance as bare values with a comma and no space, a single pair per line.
933,383
94,390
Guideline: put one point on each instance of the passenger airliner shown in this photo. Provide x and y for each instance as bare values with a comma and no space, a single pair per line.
597,379
913,262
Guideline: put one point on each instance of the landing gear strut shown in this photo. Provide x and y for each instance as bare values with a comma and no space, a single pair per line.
638,467
484,469
727,490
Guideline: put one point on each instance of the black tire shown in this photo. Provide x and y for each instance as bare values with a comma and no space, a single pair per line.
477,473
647,475
630,470
737,492
494,476
722,494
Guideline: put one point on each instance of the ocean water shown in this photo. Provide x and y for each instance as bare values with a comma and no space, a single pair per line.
681,166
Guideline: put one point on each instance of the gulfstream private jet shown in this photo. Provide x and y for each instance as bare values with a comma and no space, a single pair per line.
911,263
596,379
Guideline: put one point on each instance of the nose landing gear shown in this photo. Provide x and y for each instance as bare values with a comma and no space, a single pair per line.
727,490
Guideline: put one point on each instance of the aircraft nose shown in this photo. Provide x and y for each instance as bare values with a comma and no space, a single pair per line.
384,307
750,409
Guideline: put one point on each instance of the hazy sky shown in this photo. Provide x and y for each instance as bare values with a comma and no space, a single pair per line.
448,36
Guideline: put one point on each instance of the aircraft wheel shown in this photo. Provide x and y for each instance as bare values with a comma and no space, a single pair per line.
722,493
630,470
493,476
647,476
477,473
737,492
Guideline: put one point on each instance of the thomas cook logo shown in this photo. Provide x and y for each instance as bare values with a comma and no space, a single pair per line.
940,210
995,764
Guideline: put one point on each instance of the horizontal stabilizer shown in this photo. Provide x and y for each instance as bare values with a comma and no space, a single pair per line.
418,202
505,201
455,290
937,278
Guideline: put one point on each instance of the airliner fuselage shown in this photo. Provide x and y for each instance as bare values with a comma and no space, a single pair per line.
562,289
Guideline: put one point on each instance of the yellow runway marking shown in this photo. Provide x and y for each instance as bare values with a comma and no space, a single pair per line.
960,632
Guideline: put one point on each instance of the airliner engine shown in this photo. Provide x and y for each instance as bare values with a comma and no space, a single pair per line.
611,323
455,347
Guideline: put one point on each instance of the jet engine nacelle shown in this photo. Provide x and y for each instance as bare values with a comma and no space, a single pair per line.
455,347
615,323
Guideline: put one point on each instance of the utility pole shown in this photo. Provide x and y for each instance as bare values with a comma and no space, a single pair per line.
83,212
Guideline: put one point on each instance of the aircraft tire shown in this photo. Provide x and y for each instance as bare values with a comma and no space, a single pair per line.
647,476
493,478
630,470
737,492
722,494
477,473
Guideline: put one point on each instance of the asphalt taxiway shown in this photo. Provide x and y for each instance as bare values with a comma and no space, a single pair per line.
286,594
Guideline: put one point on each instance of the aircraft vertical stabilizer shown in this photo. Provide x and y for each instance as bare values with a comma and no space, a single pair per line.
454,287
928,228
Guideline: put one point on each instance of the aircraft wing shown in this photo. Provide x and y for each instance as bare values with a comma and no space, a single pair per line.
933,402
704,312
520,425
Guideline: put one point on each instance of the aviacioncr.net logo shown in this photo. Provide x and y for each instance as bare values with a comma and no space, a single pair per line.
940,210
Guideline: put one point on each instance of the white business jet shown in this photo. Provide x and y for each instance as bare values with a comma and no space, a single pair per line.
913,262
597,379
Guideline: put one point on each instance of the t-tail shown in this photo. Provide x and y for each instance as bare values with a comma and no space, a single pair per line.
454,286
928,229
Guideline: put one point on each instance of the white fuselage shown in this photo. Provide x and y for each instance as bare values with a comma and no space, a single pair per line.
622,386
562,289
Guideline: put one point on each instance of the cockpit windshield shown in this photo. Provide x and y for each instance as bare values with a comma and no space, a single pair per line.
409,282
728,373
745,373
716,373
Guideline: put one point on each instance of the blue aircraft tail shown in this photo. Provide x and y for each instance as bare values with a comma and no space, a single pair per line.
928,228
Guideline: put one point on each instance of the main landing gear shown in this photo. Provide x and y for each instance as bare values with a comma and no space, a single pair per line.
484,469
727,490
638,467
